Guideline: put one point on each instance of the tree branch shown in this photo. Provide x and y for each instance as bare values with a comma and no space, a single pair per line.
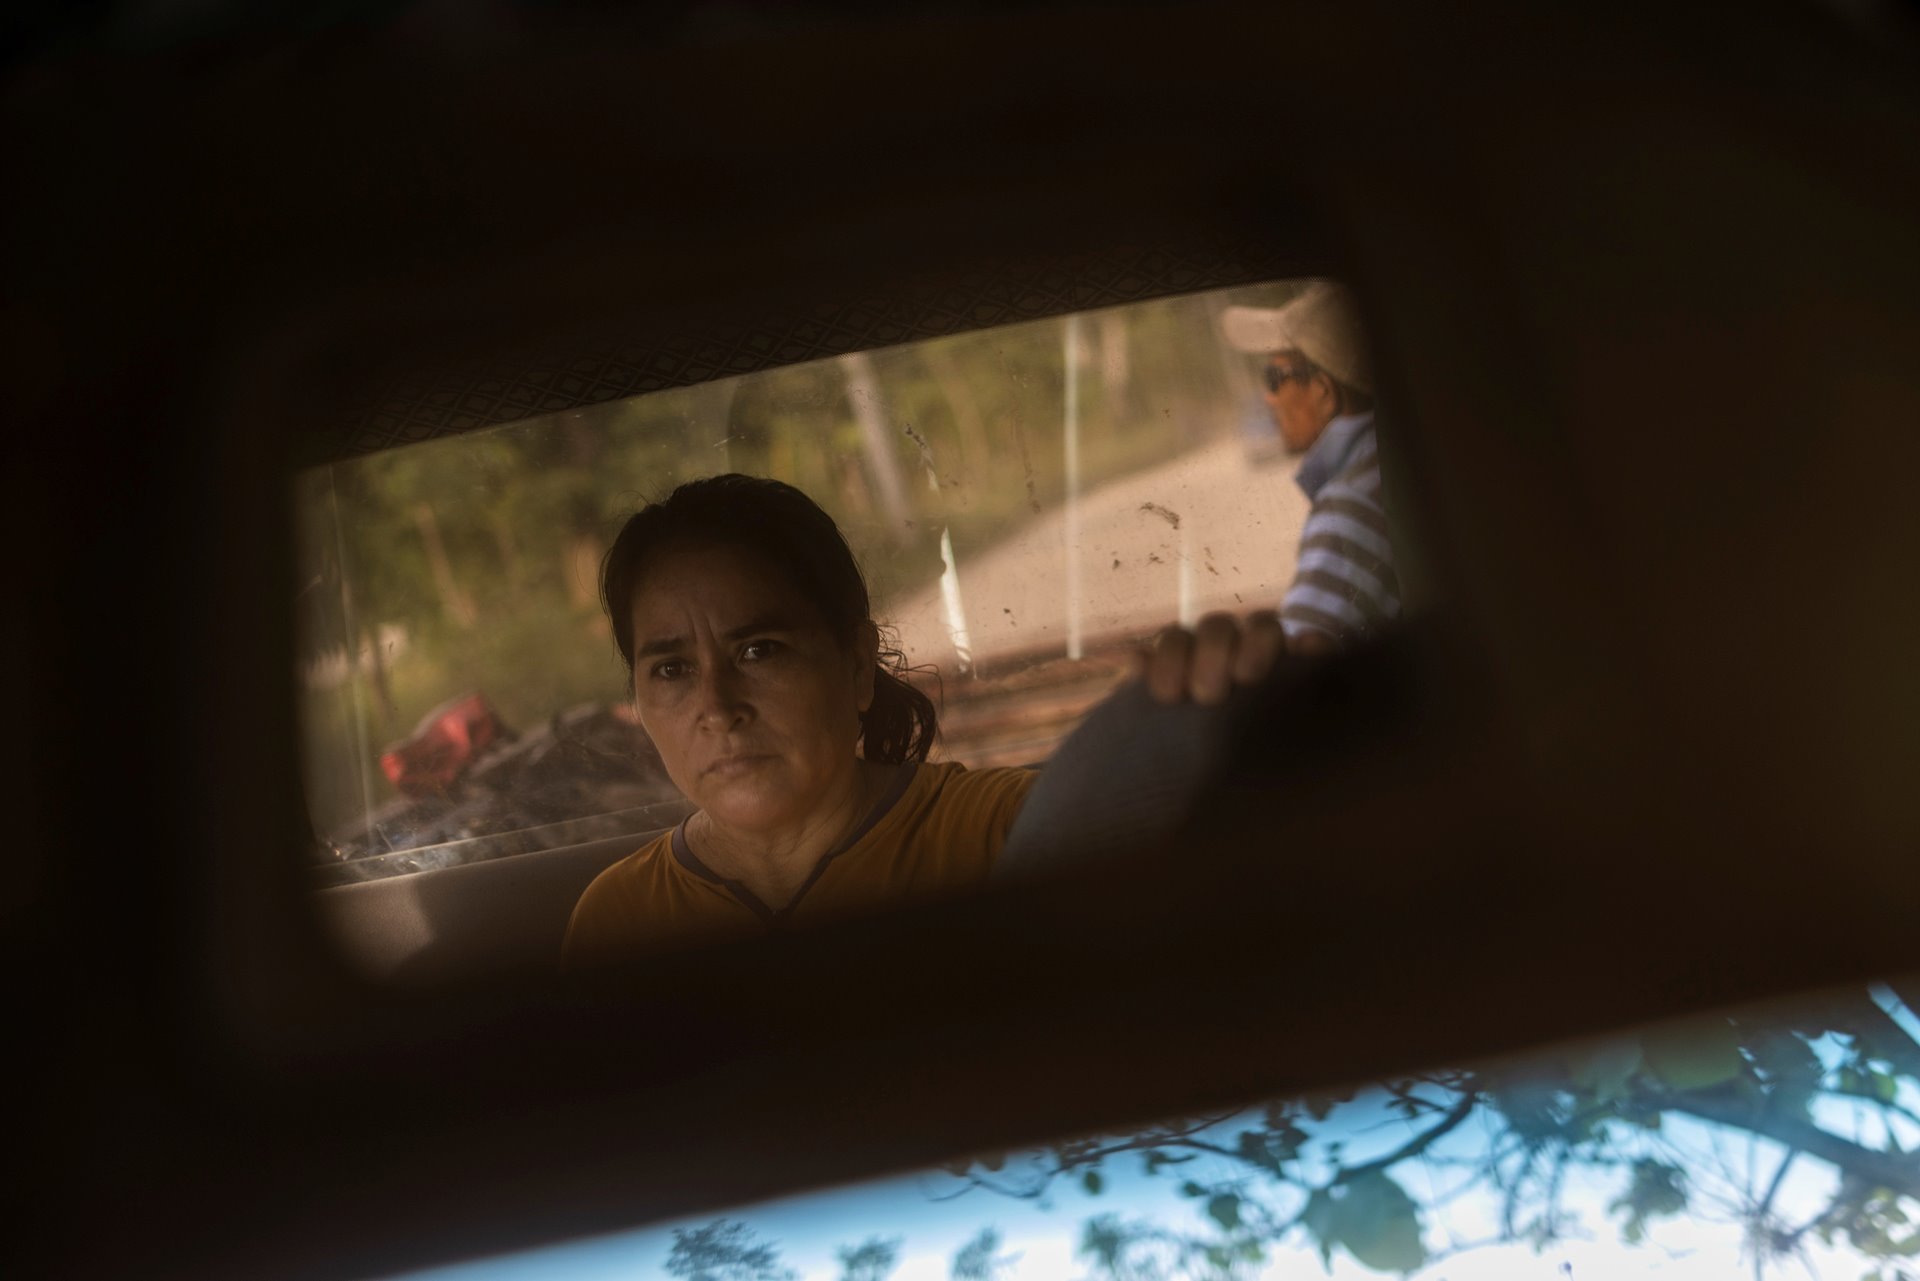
1900,1048
1413,1147
974,1181
1551,1211
1764,1240
1456,1115
1894,1171
1907,988
1511,1202
1773,1188
1860,1096
1147,1143
1831,1215
1859,1015
1180,1137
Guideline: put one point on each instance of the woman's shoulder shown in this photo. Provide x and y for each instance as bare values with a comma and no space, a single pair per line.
992,794
616,906
966,778
630,870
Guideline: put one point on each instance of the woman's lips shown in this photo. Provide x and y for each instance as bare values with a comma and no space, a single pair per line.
740,763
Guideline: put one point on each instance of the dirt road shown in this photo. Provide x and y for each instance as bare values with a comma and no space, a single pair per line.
1205,531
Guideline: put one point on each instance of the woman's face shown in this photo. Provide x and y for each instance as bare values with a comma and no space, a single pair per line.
754,704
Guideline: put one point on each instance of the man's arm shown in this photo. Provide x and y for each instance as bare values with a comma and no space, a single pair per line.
1344,584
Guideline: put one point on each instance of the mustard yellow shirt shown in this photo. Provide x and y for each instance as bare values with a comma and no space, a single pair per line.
937,833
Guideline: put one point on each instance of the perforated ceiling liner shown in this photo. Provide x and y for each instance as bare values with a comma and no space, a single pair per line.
567,374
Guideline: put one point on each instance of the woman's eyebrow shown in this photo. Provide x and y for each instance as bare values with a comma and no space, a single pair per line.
762,625
759,626
661,645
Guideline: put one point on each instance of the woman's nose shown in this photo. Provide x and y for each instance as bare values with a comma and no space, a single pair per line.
721,703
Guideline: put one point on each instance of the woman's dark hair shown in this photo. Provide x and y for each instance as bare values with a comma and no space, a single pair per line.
782,528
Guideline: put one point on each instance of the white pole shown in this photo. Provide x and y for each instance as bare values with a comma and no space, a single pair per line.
863,394
1183,590
1071,525
950,600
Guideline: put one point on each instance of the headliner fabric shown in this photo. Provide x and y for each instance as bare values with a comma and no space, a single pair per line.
581,370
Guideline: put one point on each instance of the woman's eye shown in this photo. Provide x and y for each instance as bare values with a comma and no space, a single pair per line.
670,670
755,650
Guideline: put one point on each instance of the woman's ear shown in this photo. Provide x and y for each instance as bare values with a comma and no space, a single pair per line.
866,658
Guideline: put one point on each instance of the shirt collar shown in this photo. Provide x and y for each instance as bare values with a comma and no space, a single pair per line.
1328,457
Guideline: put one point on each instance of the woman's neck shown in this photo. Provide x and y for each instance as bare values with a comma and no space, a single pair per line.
774,866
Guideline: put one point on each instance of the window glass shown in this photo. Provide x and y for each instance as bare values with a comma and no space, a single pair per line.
1770,1142
1027,503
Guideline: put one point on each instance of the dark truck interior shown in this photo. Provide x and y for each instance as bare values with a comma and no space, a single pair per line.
1646,750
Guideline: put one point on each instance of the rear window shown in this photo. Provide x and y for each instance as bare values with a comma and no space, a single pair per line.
1027,503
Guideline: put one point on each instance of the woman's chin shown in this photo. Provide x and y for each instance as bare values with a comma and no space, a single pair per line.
750,804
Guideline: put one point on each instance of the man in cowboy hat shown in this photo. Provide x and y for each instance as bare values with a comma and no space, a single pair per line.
1320,392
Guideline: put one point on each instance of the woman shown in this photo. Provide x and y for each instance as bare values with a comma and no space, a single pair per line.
758,671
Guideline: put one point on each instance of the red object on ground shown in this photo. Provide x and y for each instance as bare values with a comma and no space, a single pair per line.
447,740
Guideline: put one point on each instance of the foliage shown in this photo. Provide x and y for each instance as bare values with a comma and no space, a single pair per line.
724,1251
1657,1188
1783,1081
872,1260
980,1258
1785,1092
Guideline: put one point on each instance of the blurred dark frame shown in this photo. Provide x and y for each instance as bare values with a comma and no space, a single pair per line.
1646,289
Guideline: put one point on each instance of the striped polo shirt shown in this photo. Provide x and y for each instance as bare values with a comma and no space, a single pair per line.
1343,584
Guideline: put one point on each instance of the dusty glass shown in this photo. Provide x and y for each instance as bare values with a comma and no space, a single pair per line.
1027,504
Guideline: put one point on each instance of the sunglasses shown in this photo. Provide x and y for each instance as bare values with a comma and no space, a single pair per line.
1278,374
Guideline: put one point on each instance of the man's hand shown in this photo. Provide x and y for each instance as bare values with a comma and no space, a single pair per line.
1206,663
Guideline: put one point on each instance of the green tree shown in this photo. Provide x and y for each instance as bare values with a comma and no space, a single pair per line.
980,1258
872,1260
724,1250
